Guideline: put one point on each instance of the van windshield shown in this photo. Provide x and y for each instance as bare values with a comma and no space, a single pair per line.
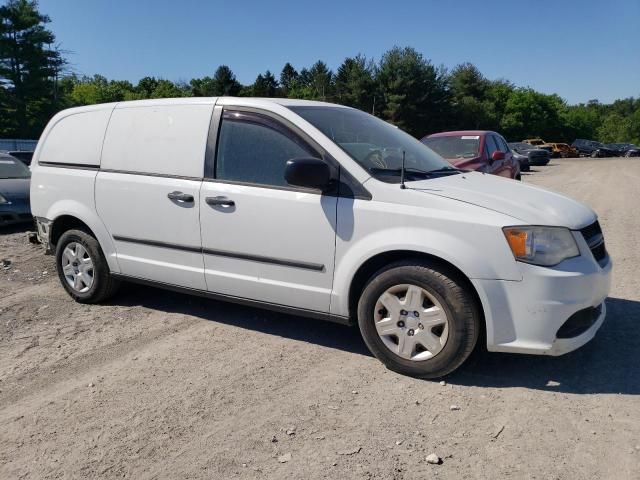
12,168
375,144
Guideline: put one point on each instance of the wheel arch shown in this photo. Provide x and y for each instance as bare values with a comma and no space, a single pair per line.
66,219
64,223
380,260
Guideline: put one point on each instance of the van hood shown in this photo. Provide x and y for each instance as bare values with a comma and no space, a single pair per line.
530,204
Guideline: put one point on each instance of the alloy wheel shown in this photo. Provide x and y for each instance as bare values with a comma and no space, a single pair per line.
77,267
411,322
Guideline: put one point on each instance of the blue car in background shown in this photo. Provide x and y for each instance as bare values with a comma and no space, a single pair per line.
15,178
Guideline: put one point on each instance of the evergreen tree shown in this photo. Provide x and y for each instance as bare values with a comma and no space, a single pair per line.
414,92
225,83
288,78
29,69
265,86
354,83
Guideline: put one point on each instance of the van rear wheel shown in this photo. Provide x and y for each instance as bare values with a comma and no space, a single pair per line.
419,320
82,268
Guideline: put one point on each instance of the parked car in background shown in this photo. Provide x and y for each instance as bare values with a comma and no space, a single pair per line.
299,207
22,155
522,160
14,191
607,150
632,151
539,143
480,150
537,156
585,147
623,148
563,150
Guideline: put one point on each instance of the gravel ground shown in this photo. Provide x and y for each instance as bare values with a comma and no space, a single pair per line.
161,385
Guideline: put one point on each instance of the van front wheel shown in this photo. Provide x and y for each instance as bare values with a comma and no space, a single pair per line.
82,268
418,320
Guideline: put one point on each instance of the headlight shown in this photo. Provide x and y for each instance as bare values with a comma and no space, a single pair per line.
3,200
545,246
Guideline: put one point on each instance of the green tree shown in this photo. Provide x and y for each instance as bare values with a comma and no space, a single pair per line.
265,86
203,87
354,83
321,81
415,96
532,114
29,69
288,78
614,128
225,83
469,103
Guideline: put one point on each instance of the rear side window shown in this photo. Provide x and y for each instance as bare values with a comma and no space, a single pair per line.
502,145
254,148
158,139
76,138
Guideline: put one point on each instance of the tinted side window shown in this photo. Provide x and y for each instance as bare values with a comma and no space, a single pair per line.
254,148
502,145
489,145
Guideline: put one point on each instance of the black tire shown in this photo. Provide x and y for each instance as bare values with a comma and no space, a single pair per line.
104,285
451,292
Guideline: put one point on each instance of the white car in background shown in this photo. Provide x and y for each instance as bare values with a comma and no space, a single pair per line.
319,210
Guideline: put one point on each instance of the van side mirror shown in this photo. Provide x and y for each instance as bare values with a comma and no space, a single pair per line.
497,155
308,172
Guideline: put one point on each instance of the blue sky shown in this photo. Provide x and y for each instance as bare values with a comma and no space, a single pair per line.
579,49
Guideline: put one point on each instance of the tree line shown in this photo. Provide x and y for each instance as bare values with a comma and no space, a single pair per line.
402,87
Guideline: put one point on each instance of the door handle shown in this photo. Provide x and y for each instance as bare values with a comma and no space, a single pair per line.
180,197
219,201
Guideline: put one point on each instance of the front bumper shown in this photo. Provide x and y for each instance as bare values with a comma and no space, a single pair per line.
525,316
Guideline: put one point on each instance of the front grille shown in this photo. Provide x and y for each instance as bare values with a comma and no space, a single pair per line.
591,231
579,322
593,236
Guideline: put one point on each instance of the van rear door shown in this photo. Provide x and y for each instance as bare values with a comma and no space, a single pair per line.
147,190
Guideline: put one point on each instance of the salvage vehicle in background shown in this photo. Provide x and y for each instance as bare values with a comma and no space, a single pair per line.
624,149
480,150
606,150
539,143
632,151
537,156
564,150
585,147
319,210
14,191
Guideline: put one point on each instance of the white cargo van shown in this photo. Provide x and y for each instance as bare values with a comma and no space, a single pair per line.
320,210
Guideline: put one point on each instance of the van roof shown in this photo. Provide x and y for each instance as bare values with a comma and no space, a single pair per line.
248,101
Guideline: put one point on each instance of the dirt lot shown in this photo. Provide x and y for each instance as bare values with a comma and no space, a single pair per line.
162,385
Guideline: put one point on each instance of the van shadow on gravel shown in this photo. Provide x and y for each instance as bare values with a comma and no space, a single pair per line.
608,364
326,334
